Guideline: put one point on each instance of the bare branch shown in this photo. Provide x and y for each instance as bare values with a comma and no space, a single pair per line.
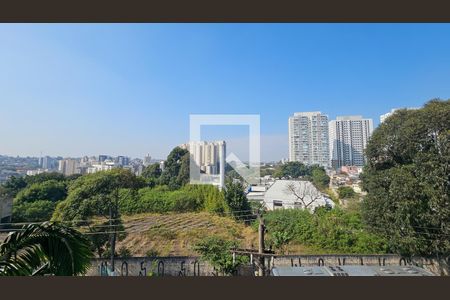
302,194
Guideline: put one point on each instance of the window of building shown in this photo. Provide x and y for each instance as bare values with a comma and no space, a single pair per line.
277,204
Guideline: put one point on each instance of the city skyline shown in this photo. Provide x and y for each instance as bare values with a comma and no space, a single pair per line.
74,90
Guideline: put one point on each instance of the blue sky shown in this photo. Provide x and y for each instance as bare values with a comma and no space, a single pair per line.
128,89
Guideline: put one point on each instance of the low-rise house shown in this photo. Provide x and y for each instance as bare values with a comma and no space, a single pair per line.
295,194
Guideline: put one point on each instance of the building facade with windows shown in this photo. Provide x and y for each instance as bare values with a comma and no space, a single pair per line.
209,159
308,138
348,139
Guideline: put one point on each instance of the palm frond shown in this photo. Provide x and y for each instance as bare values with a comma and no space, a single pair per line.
64,250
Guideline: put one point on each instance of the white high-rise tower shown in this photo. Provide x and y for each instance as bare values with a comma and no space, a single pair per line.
308,138
209,159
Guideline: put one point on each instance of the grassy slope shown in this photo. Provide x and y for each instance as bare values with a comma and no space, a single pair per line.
175,234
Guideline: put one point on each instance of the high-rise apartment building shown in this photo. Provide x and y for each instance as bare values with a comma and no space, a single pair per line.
348,139
47,163
209,157
308,138
123,160
68,166
147,160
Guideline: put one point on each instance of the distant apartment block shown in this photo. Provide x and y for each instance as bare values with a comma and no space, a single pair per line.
209,157
47,163
105,165
68,166
348,140
147,160
308,138
36,172
123,160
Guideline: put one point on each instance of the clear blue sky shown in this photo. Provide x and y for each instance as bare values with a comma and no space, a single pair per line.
128,89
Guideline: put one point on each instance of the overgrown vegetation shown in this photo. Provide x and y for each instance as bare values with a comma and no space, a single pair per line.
346,192
335,231
217,252
162,200
35,197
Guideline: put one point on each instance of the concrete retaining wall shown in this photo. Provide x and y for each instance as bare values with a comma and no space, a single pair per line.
193,266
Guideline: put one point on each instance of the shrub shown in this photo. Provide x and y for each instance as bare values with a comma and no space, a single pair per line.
332,230
152,253
162,200
346,192
124,252
217,252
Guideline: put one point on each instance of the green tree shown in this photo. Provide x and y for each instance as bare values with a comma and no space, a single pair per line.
292,169
152,173
183,177
44,177
51,190
237,200
13,186
407,180
36,211
170,174
47,248
38,200
319,177
97,194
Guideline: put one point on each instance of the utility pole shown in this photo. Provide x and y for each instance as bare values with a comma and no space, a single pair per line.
112,238
261,230
113,216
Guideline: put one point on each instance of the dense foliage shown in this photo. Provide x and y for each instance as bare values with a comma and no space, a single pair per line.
176,169
163,200
35,197
217,252
325,230
407,180
96,195
346,192
151,174
236,200
293,169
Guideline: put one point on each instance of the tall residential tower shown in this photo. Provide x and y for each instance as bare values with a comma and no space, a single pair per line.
308,138
348,139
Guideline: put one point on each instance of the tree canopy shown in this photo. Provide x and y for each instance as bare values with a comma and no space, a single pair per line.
95,194
407,180
176,169
236,199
